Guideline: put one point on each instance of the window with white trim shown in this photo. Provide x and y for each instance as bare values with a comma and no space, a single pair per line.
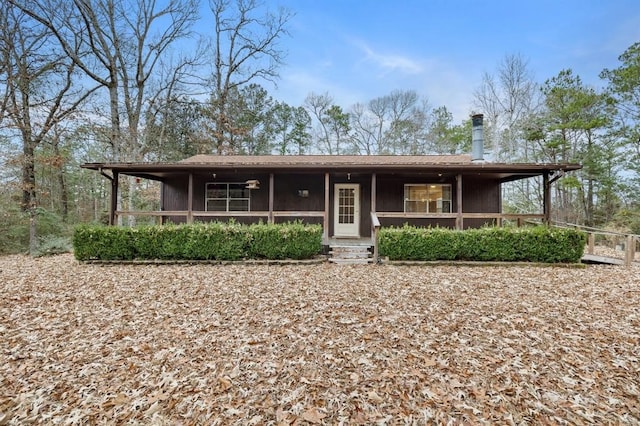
227,197
427,198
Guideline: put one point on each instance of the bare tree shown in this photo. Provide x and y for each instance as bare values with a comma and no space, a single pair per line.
39,93
118,45
317,106
510,100
367,125
507,100
245,49
332,130
391,124
174,120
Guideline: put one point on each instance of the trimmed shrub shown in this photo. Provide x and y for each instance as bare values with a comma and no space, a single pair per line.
285,241
413,243
538,244
103,242
159,242
210,241
216,240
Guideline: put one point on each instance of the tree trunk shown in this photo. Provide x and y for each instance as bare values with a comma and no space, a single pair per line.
59,170
589,207
64,197
33,231
29,203
28,177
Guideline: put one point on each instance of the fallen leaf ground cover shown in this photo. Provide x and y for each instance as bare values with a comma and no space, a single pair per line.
317,344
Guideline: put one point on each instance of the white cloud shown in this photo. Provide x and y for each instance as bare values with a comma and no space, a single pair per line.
297,83
390,62
355,72
441,82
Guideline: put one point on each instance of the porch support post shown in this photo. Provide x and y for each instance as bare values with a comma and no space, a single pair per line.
190,199
459,218
373,192
271,194
546,198
161,201
114,199
325,221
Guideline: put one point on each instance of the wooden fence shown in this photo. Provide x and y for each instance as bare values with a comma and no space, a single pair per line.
621,242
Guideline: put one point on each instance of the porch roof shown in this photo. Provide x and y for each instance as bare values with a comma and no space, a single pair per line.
453,164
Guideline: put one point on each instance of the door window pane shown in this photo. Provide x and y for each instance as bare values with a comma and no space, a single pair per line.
346,205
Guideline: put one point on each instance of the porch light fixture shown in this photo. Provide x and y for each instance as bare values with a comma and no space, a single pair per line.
555,176
348,176
253,184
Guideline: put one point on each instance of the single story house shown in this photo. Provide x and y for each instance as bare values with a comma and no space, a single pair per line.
350,196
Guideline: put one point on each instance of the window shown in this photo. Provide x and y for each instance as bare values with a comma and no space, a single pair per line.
228,197
427,198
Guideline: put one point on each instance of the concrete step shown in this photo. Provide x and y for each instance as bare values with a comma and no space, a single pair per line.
344,250
349,249
350,261
350,246
350,254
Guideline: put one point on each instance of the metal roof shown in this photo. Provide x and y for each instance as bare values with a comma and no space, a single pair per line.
334,163
326,160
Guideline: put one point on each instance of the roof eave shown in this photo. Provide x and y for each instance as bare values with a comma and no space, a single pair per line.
469,167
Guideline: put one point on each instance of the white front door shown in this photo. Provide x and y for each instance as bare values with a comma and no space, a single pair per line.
346,218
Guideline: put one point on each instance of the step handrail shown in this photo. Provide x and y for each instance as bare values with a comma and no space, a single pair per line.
375,226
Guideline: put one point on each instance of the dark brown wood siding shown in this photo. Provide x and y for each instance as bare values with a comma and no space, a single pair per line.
298,192
480,196
390,198
287,194
175,194
391,190
174,197
390,193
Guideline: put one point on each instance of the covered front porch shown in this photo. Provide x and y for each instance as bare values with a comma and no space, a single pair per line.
351,197
348,204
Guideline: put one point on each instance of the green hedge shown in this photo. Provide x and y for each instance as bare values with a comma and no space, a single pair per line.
538,244
210,241
291,241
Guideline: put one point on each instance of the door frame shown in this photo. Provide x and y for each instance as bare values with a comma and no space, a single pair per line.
351,230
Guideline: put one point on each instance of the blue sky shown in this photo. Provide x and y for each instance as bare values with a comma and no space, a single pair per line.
357,50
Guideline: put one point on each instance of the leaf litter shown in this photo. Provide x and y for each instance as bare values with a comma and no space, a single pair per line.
317,344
